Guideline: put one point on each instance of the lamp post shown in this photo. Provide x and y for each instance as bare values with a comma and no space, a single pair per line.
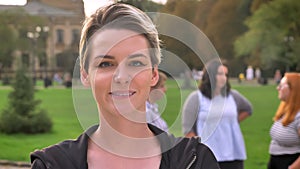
34,37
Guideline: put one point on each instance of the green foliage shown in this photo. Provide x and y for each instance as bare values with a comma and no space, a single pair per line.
225,24
182,8
14,25
8,40
22,114
256,4
221,21
274,33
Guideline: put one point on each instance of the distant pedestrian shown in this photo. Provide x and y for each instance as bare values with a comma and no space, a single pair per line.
249,73
67,80
47,81
277,76
57,78
241,77
257,73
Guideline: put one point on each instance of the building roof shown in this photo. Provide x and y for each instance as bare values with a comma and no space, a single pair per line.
40,9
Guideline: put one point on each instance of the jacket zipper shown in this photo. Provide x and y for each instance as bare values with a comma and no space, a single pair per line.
192,162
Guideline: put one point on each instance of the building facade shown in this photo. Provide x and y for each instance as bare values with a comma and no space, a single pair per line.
62,34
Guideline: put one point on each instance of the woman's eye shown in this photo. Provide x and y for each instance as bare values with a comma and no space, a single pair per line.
105,64
136,63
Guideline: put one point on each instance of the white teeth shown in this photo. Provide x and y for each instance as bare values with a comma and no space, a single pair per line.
122,94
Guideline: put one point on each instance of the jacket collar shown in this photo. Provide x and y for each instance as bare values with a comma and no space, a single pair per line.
166,143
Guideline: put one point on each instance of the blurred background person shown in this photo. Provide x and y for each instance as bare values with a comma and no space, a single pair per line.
249,73
257,73
285,132
277,76
218,110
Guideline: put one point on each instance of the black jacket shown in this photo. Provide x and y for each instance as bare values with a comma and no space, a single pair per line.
72,154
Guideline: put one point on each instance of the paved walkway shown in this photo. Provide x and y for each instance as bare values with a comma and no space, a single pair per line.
4,164
13,167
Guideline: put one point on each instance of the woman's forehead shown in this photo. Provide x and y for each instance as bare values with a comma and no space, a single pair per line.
223,68
106,39
112,36
283,80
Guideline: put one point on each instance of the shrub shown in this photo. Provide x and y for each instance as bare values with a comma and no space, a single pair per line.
22,114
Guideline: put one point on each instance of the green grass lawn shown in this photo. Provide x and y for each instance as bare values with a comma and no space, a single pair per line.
256,128
59,104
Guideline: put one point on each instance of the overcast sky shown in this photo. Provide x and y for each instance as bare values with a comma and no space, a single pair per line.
90,5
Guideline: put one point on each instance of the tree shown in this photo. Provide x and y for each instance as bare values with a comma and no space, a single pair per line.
8,42
14,25
256,4
224,25
273,35
221,21
22,114
183,9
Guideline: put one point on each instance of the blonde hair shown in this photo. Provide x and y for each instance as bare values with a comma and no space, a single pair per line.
119,16
289,108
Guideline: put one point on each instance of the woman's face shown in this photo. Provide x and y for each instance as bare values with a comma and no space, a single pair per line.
283,89
120,71
221,77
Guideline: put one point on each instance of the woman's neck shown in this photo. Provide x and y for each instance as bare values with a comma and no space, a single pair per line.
126,138
216,92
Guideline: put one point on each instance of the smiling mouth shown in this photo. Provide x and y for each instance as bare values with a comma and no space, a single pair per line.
122,94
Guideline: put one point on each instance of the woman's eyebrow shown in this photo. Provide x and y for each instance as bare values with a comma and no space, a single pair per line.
136,55
104,57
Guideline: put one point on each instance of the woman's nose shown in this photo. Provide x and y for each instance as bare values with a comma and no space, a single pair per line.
122,75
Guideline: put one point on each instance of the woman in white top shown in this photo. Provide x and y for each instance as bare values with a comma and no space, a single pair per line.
213,112
285,131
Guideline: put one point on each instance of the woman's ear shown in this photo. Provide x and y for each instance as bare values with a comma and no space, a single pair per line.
84,78
155,76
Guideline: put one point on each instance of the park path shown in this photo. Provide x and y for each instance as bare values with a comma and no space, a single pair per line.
13,167
4,164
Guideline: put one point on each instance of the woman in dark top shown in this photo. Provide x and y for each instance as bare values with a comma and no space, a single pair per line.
119,57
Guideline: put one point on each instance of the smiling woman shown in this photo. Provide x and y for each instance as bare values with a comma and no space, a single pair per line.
119,57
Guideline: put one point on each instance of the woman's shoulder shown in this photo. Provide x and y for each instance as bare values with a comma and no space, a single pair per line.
234,92
191,153
66,154
297,117
193,95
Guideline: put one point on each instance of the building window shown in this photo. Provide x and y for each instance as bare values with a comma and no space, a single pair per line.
43,60
75,36
60,36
